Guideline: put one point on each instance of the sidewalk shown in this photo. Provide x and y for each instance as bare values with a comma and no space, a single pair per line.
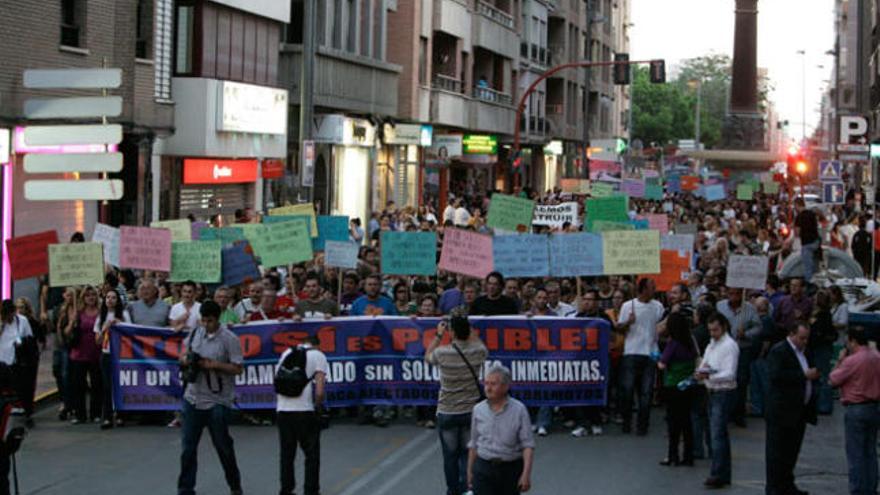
45,381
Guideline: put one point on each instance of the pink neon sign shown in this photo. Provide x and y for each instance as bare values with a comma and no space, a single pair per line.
20,146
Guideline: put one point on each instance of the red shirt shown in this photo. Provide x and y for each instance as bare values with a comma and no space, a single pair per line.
857,376
284,304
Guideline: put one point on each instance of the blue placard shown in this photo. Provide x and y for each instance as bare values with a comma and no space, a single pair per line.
576,254
408,253
330,228
239,265
715,192
523,255
640,224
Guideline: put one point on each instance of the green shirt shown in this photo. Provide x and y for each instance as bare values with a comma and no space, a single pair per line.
229,317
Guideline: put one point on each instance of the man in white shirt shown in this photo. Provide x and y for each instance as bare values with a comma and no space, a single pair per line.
298,422
184,316
462,216
14,328
638,320
717,371
554,303
251,303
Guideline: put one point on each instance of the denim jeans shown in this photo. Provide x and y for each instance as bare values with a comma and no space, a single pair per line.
60,364
808,258
195,420
719,411
861,422
822,360
700,421
455,431
637,371
758,386
301,429
544,418
743,376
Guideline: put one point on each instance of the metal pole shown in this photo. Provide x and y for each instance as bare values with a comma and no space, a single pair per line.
803,96
588,56
697,120
307,80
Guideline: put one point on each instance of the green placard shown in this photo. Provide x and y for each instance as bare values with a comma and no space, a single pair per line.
480,144
606,226
283,243
745,192
181,230
771,187
80,263
654,191
227,235
602,190
510,213
409,253
199,261
611,209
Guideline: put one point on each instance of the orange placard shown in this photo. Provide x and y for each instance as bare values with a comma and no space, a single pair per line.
690,182
672,269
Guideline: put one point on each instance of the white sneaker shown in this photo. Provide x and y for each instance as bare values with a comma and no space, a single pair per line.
542,432
596,430
579,432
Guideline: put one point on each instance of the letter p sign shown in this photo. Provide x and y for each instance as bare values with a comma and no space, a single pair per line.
853,129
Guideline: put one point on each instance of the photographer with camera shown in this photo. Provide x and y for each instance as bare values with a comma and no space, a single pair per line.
212,357
298,405
459,362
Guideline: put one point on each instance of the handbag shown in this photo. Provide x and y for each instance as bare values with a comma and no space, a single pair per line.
473,373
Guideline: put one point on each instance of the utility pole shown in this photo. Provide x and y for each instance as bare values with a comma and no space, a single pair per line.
588,56
699,111
307,82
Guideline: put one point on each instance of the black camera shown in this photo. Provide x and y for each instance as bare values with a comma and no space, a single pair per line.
189,372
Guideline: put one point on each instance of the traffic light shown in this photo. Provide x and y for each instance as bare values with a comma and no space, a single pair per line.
621,69
801,168
658,71
517,159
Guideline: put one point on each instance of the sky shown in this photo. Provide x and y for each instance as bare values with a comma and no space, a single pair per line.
680,29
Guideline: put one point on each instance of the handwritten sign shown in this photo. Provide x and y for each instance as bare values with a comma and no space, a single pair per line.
745,192
524,255
226,235
600,226
659,222
673,184
330,228
467,253
343,254
556,215
196,229
181,230
654,192
683,243
145,248
575,186
510,213
239,265
610,209
631,253
199,261
281,244
640,224
305,209
602,190
408,253
634,188
674,268
686,228
109,238
747,272
78,263
771,187
575,254
29,254
689,182
715,192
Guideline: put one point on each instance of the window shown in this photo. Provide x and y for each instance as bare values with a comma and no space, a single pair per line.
351,21
143,29
72,17
184,38
337,24
321,23
294,30
162,44
423,60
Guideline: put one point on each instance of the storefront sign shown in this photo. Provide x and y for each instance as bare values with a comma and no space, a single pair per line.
308,164
252,109
480,144
273,169
339,129
443,148
208,171
403,134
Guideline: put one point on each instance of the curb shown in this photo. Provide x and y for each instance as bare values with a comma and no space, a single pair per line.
39,399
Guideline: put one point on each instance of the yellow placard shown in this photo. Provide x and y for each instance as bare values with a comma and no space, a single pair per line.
631,252
181,230
304,209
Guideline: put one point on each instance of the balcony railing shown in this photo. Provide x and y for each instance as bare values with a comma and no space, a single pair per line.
495,14
492,96
556,54
555,109
537,125
446,83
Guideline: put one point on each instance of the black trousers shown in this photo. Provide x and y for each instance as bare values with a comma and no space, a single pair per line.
300,429
782,450
80,372
5,468
25,379
501,478
678,422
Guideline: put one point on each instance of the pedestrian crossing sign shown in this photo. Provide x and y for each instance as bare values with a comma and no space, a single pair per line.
829,170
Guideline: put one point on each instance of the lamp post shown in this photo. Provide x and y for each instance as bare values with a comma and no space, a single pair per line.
698,85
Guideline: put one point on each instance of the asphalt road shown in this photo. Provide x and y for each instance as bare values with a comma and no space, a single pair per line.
403,459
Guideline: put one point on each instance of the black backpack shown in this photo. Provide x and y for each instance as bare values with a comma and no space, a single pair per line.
291,378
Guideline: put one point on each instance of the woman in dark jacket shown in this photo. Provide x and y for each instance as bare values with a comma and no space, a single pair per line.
821,346
678,363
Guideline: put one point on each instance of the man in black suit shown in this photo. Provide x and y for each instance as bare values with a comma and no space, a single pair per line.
791,404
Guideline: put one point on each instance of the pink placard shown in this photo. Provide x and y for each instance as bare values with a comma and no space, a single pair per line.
658,222
634,188
145,248
467,253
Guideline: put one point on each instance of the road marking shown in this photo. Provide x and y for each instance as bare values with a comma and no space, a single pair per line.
409,468
386,463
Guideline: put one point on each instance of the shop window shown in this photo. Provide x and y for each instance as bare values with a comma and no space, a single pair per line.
73,15
143,29
184,37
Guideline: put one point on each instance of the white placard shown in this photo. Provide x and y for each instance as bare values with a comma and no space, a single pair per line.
556,215
72,162
51,135
253,109
109,237
342,254
72,78
71,108
747,272
69,190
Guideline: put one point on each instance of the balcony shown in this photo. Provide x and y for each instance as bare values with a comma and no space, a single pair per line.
446,83
495,31
449,106
558,127
491,111
492,96
557,54
343,81
452,17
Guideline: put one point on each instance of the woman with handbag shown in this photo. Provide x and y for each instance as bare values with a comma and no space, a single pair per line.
678,363
64,321
85,357
459,362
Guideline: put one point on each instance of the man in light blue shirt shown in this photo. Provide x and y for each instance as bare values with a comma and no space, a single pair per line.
746,329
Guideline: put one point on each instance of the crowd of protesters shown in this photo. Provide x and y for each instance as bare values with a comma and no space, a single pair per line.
702,349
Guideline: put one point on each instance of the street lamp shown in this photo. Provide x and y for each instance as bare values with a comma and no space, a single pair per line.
803,54
698,85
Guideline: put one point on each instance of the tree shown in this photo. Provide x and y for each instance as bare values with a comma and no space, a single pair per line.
661,112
